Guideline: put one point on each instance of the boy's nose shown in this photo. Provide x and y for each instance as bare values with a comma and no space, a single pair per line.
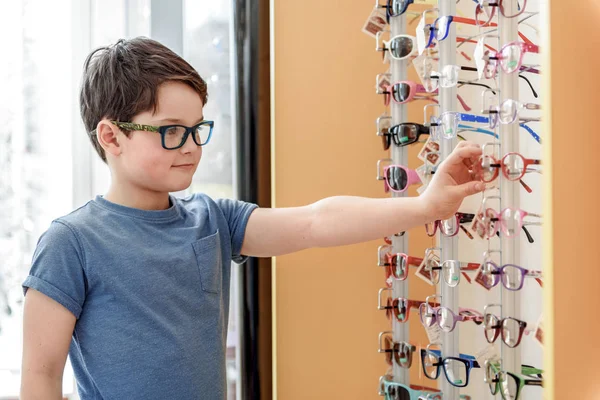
189,145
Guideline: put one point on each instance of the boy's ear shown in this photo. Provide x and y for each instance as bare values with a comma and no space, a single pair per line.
108,137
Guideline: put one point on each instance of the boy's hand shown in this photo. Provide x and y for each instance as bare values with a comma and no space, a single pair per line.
452,182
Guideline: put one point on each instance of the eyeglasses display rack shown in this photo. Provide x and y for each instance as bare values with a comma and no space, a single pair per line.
448,245
399,156
509,191
498,304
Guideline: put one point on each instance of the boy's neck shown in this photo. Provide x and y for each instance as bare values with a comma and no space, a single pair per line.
136,198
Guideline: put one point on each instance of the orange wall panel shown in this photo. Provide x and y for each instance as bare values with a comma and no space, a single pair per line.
324,108
571,213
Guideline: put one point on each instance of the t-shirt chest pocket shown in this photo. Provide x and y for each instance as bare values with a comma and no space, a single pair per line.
208,256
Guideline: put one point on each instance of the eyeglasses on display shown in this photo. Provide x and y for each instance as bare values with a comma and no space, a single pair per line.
446,318
509,384
399,352
509,221
450,227
397,265
456,369
510,329
398,178
451,270
512,276
398,307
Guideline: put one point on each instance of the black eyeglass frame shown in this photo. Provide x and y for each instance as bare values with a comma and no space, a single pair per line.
393,133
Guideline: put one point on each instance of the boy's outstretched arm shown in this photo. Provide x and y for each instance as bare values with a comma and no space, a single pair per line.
344,220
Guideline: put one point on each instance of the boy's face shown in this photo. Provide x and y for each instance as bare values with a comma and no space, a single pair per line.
144,162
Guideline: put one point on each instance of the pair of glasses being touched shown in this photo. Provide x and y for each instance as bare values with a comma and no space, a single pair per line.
513,166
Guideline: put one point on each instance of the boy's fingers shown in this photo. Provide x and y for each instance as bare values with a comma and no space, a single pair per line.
470,188
459,155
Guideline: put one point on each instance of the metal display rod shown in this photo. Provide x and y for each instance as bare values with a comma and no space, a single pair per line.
399,155
449,245
509,191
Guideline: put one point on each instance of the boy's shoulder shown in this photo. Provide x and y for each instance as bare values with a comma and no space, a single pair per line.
98,209
98,213
80,215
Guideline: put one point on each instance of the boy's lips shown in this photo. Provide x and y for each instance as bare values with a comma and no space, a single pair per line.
184,166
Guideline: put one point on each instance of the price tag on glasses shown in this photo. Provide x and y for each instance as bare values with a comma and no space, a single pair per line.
375,23
477,225
430,153
489,352
434,334
539,332
480,279
423,273
478,55
421,40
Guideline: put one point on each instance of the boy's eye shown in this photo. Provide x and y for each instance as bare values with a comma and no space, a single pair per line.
175,131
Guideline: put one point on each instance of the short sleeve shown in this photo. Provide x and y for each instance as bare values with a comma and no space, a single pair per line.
237,213
57,268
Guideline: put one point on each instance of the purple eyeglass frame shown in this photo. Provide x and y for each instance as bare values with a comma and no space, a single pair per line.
498,273
464,314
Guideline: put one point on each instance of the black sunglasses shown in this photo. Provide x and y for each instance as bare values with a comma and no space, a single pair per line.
403,134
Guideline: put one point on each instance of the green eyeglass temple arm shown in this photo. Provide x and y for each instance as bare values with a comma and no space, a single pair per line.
529,370
136,127
525,369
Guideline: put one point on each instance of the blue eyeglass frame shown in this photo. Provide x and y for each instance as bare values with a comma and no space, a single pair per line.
404,3
163,130
469,361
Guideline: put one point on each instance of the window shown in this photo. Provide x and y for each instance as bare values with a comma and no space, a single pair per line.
35,155
206,45
47,166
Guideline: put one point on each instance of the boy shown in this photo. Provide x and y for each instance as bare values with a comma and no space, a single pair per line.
134,285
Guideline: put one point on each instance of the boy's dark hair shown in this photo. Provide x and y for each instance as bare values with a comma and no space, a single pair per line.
122,80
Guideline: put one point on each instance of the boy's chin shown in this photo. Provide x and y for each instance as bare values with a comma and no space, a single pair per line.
177,187
174,185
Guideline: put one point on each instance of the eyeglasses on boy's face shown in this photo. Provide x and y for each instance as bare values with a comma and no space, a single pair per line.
174,136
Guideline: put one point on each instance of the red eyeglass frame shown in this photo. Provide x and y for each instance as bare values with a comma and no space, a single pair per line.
392,262
478,169
393,304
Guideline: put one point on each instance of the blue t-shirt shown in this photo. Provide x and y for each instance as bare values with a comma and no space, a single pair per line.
150,291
